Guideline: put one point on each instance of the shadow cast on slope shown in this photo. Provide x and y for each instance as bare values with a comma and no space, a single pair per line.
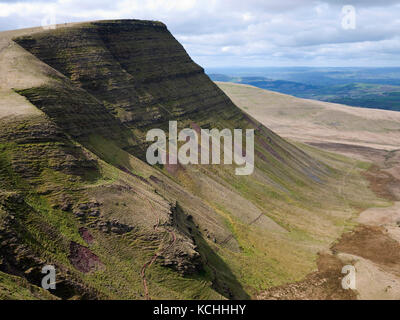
223,280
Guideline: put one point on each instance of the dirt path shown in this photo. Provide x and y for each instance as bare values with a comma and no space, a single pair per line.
155,256
373,247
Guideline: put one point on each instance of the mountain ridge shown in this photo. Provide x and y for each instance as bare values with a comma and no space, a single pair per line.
75,181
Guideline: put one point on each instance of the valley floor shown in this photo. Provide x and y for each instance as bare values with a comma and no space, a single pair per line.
373,246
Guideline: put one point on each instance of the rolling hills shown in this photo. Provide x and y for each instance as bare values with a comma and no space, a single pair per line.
330,86
314,121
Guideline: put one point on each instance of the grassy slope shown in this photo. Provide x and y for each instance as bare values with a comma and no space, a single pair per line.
15,288
366,95
298,198
314,121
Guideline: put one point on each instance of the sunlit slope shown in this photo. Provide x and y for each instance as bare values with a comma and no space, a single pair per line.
316,121
77,193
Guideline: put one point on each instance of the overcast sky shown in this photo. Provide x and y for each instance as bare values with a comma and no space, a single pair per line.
223,33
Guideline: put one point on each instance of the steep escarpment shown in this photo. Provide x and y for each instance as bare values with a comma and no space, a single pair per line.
144,77
116,227
137,69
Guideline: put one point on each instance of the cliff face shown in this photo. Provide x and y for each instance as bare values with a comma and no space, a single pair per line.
135,68
144,78
90,205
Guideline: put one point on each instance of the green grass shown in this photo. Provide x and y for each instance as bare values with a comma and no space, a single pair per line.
16,288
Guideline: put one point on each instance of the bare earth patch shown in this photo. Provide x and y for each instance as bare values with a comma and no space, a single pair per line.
86,235
324,284
371,243
83,259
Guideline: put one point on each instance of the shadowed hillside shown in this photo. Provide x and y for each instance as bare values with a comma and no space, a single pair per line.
75,191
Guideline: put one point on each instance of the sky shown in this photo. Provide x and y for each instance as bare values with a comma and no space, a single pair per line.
245,33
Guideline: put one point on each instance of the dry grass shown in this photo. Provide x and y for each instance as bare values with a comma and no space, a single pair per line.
19,70
316,121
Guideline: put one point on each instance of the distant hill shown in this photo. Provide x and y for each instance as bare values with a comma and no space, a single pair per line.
317,121
283,86
384,95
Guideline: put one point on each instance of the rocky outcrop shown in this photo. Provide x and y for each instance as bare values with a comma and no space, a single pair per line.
112,226
183,256
20,259
88,209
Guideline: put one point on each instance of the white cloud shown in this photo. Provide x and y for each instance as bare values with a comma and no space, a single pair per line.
251,32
